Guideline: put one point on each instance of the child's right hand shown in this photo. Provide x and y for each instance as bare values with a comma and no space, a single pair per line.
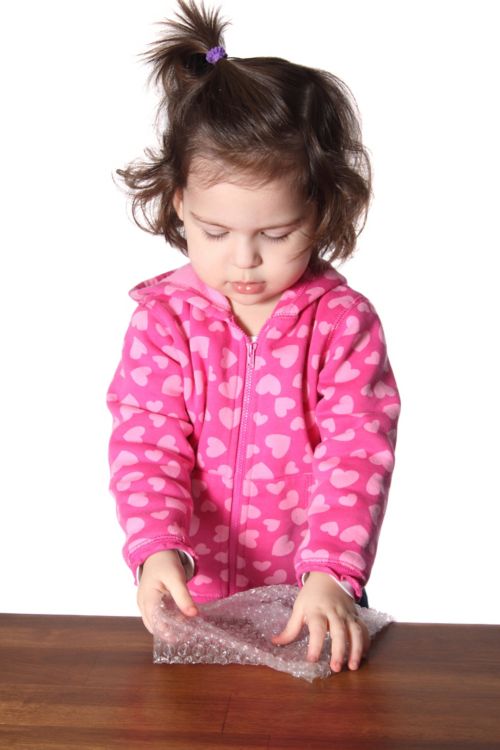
162,573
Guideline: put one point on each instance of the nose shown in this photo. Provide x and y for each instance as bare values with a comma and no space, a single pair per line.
245,253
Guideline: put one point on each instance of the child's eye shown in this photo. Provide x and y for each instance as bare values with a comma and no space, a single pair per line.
214,236
277,239
210,236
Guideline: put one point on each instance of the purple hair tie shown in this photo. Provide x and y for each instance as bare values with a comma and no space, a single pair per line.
215,54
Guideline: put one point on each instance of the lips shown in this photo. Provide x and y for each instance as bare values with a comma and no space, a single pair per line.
250,287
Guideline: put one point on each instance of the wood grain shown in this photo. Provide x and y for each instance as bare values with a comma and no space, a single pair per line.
89,683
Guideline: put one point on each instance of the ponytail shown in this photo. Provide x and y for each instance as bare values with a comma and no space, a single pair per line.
179,57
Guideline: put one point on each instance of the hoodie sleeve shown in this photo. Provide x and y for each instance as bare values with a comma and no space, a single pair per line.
150,454
356,414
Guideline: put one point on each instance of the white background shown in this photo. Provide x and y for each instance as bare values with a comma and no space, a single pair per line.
76,107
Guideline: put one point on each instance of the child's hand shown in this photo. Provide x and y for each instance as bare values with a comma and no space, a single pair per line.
162,573
323,606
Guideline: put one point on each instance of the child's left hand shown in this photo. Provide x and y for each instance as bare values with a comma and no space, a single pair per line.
324,607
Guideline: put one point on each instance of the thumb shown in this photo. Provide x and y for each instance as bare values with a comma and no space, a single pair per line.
291,630
181,596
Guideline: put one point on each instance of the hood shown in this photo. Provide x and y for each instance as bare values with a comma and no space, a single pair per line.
184,284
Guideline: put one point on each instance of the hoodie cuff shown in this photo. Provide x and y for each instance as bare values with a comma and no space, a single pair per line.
187,563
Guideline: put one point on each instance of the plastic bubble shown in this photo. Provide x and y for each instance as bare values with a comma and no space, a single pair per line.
238,630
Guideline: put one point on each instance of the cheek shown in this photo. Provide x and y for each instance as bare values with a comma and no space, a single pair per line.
300,259
205,258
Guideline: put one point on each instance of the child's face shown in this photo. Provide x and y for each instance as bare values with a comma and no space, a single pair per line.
244,233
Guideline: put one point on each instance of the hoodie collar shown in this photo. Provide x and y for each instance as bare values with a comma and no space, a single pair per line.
185,284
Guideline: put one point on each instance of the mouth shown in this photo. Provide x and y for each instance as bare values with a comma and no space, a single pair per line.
248,287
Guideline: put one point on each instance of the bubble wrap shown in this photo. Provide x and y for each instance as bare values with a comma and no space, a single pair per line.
238,630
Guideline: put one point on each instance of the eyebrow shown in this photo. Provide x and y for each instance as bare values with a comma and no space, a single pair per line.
291,223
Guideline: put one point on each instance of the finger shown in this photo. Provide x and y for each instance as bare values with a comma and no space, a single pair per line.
147,605
142,610
148,625
338,632
356,637
318,627
181,596
291,630
366,638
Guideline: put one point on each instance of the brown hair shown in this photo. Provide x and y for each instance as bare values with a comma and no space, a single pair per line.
263,116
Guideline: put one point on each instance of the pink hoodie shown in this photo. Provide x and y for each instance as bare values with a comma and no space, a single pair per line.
262,460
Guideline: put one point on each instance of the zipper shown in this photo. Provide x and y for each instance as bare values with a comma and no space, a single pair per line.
251,346
234,521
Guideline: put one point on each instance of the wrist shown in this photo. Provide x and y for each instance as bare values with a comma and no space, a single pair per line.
344,585
164,555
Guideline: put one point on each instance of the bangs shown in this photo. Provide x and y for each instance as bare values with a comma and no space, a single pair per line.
248,168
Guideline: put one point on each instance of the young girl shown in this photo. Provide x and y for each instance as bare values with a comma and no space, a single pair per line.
255,409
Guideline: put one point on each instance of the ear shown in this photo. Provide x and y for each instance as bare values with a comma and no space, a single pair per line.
178,203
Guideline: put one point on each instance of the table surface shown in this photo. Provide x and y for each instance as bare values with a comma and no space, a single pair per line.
90,682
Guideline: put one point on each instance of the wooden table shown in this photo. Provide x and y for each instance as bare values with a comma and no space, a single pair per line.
89,682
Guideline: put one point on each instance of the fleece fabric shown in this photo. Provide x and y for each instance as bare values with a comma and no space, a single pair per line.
263,459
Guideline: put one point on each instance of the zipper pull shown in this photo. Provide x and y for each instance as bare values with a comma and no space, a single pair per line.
251,353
